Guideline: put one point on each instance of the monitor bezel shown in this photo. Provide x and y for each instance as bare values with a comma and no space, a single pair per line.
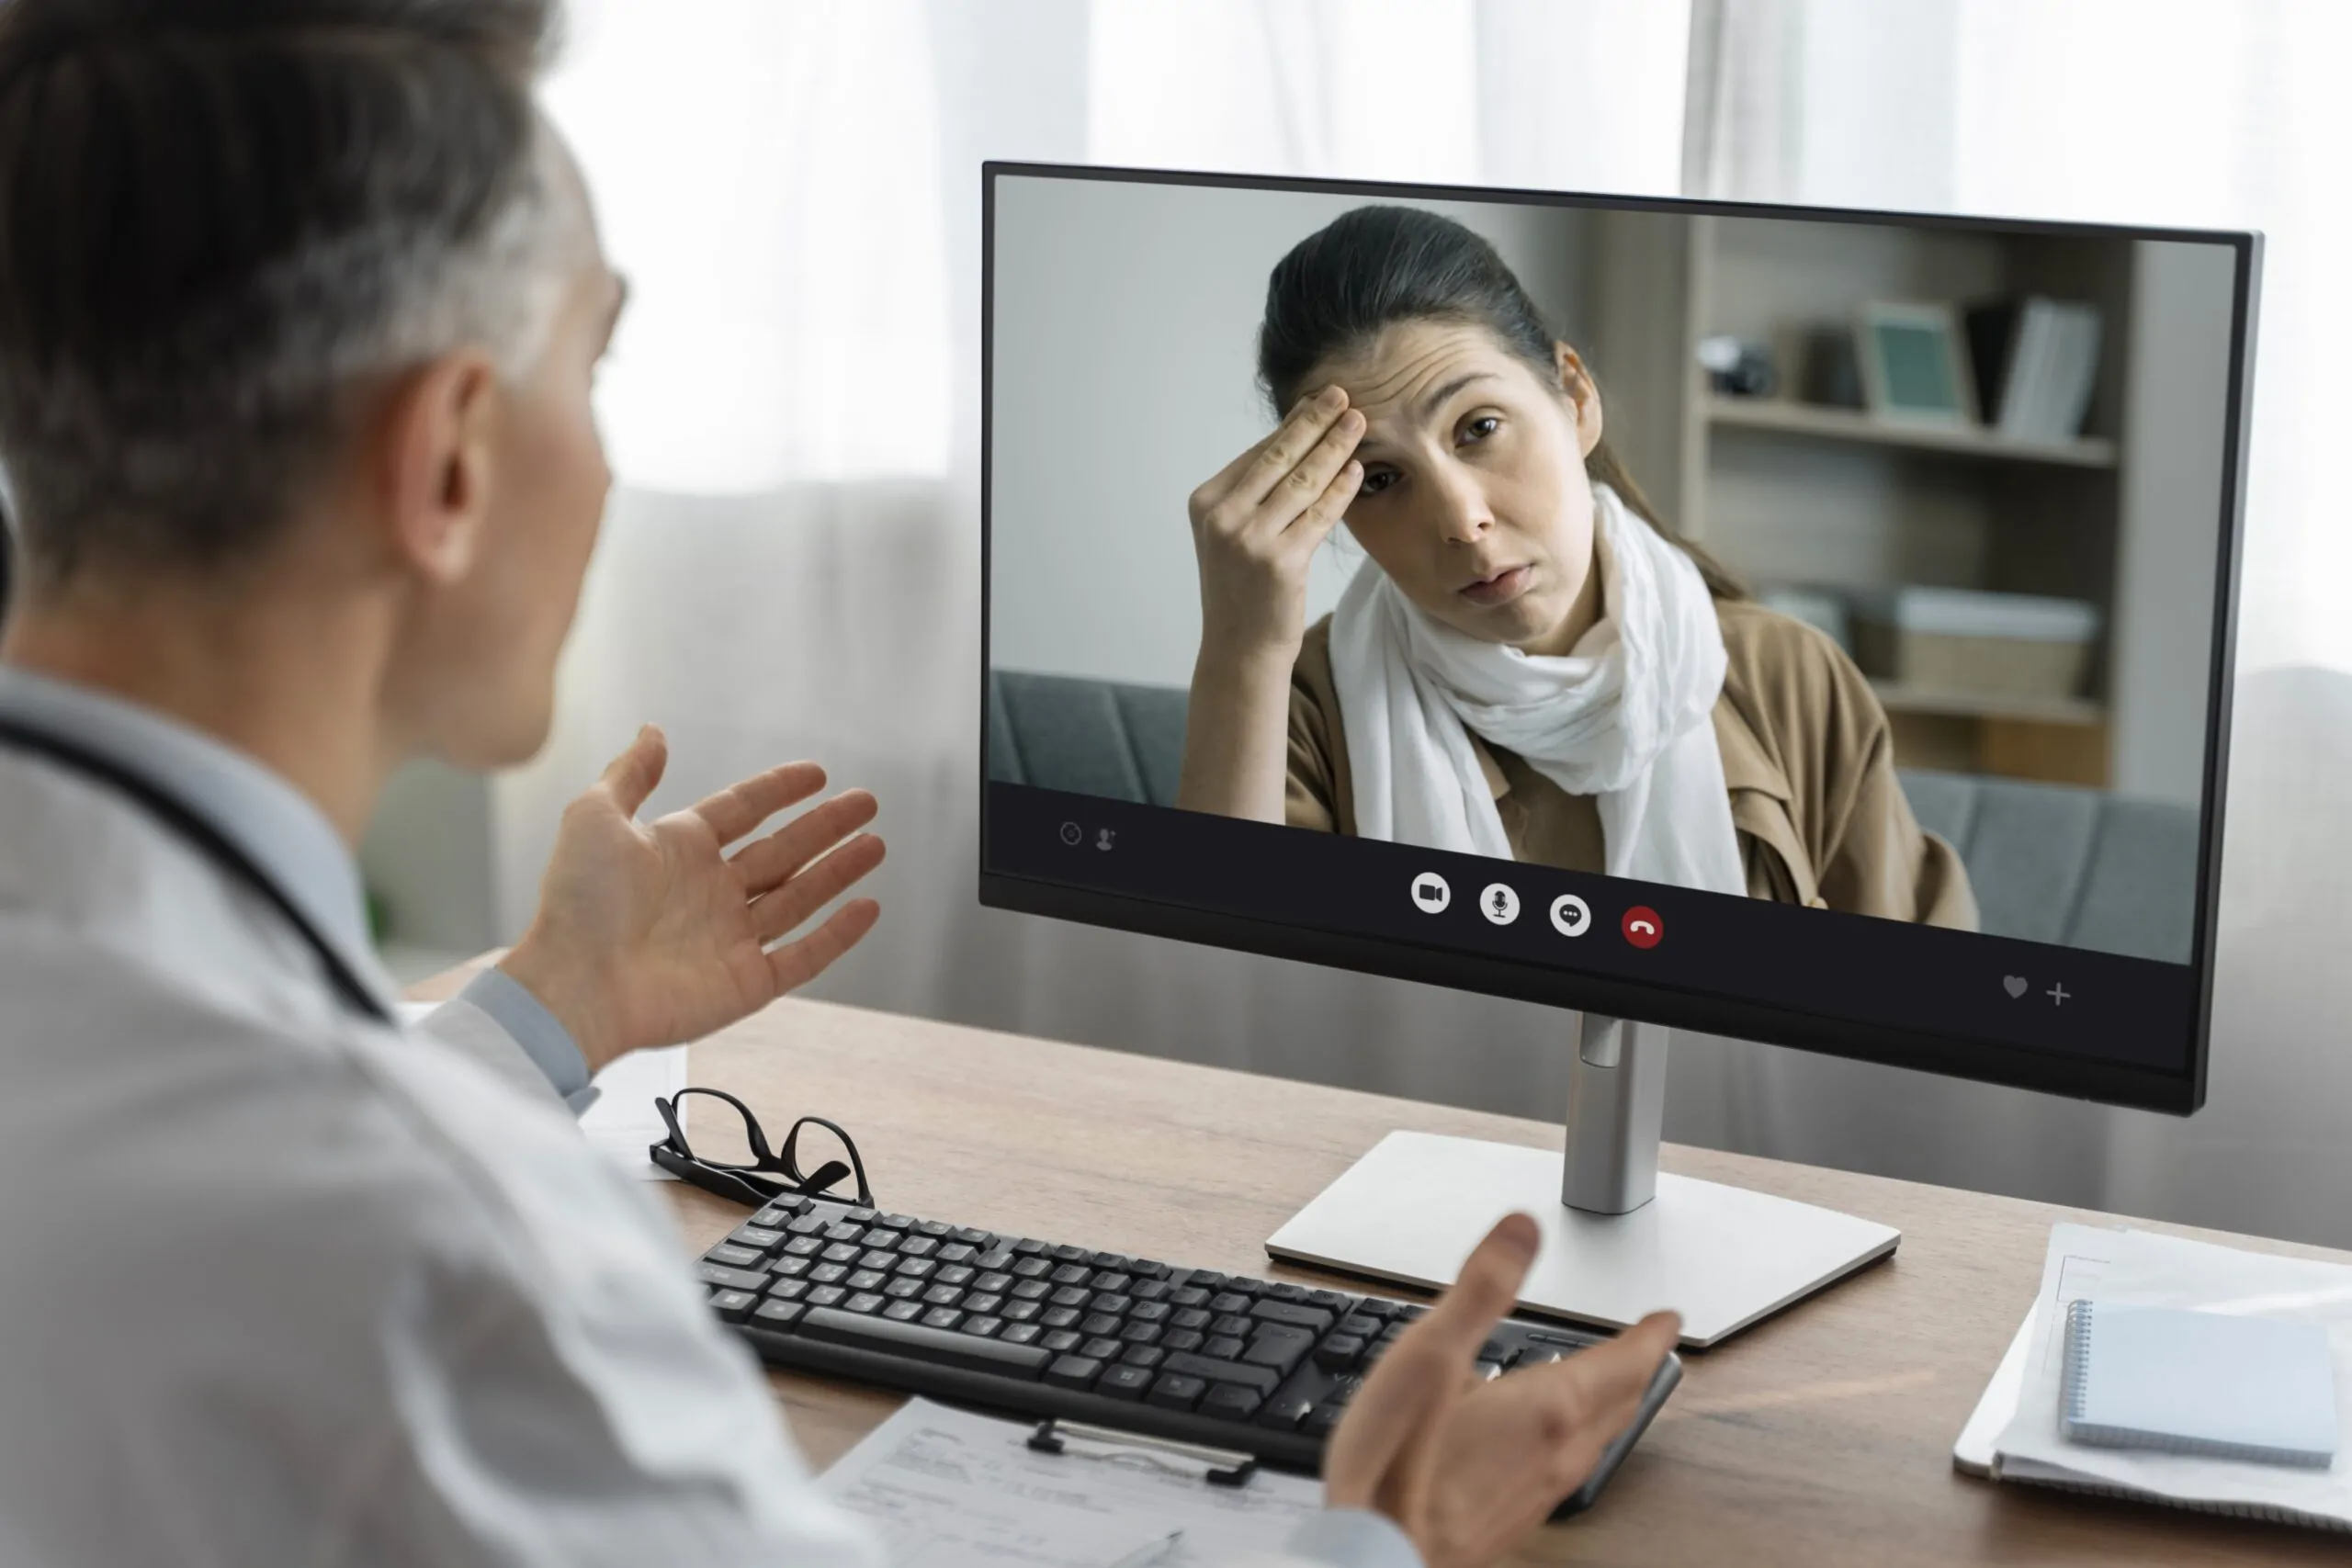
1828,1034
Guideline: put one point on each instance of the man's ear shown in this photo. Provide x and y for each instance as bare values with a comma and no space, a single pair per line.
1583,397
436,439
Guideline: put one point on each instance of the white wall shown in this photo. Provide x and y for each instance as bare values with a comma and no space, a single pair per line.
2177,398
1126,319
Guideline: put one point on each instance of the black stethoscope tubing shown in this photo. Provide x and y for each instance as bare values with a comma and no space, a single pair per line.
184,820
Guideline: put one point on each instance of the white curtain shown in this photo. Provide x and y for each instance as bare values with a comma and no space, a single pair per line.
790,565
2219,113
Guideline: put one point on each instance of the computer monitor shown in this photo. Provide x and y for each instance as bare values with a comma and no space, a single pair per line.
1803,625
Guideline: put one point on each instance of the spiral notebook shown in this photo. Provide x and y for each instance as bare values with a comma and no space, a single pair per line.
2228,1386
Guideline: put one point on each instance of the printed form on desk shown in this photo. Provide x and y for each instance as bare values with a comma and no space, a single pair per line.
946,1489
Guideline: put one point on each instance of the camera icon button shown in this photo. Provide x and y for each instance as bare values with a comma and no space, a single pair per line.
1431,893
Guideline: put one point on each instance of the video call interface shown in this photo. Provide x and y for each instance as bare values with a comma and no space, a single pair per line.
1641,593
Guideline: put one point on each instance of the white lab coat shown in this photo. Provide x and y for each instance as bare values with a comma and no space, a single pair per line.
279,1284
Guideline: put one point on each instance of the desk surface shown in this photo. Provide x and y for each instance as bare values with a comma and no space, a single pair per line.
1821,1436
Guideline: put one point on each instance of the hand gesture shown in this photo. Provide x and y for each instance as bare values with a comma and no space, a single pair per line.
1468,1467
650,933
1257,524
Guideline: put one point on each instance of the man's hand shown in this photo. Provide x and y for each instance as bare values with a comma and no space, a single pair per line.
1467,1468
650,933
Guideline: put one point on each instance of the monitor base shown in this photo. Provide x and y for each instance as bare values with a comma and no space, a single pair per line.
1723,1257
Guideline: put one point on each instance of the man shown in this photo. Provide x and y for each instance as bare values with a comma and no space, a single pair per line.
300,306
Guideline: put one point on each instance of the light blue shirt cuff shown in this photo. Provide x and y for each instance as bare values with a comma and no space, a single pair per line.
545,1040
1353,1537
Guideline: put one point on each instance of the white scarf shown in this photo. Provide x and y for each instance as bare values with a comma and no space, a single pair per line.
1627,716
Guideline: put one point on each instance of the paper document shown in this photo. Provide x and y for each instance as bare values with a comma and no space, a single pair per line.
946,1489
2074,1266
2144,1268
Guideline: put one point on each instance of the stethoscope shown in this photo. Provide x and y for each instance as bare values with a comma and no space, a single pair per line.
180,818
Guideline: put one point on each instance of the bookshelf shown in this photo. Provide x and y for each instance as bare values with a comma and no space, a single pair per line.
1793,491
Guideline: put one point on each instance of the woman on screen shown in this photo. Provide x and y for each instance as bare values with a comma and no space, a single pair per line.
1529,665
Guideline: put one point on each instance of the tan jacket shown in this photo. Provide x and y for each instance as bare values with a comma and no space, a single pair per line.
1821,819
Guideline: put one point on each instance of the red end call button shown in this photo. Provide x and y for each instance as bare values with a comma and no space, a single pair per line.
1642,927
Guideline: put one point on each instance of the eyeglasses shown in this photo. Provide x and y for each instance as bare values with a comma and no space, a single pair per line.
745,1183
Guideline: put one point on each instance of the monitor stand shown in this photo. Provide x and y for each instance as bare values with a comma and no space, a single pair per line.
1621,1238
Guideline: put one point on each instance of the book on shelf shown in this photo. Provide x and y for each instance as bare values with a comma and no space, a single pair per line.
2036,361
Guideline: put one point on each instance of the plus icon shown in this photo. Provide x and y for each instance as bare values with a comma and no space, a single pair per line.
2059,993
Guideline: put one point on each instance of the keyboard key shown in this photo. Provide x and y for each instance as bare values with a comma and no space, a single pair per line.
1146,1268
1141,1333
826,1296
982,1300
1100,1348
1208,1278
921,1343
1030,1269
788,1290
1362,1325
731,1278
1229,1301
774,1218
1189,1317
994,1279
1113,1302
1021,1312
935,1229
790,1267
921,1246
903,1289
865,1302
1069,1296
904,1312
759,1238
1224,1346
1283,1415
1059,1340
828,1273
804,1246
808,1224
876,1259
1259,1380
1030,1290
970,1237
1331,1299
958,1252
776,1314
1110,1260
1074,1372
844,1232
1320,1420
1099,1323
1059,1317
1248,1287
1146,1311
944,1295
1278,1347
1072,1274
894,1222
1019,1334
1112,1280
862,1215
1150,1291
1232,1322
842,1252
733,1306
1175,1391
1293,1314
1339,1352
1228,1403
1144,1356
1127,1382
1286,1292
867,1280
1188,1296
915,1268
994,1258
1180,1340
1027,1248
982,1324
1067,1253
941,1317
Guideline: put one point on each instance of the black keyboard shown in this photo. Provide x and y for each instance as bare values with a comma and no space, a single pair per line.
1251,1366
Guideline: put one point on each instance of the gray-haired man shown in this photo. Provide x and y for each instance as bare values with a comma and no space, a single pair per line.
300,306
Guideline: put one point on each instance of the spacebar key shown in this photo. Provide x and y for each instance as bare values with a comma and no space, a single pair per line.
915,1342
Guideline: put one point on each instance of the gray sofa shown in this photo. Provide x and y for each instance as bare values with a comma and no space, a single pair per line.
2049,862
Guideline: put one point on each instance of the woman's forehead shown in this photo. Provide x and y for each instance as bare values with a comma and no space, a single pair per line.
1412,369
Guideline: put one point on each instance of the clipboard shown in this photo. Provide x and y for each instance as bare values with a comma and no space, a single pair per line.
1222,1467
948,1488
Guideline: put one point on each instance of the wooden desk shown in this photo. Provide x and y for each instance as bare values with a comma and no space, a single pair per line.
1821,1436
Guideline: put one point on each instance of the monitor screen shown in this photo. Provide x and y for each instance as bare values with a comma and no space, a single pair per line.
1809,626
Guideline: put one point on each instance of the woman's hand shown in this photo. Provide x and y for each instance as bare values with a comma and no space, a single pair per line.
1255,527
1468,1467
650,932
1257,524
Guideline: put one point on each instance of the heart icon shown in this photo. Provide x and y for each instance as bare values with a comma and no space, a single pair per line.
2013,984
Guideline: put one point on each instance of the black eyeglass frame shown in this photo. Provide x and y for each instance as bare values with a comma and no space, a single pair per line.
754,1183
